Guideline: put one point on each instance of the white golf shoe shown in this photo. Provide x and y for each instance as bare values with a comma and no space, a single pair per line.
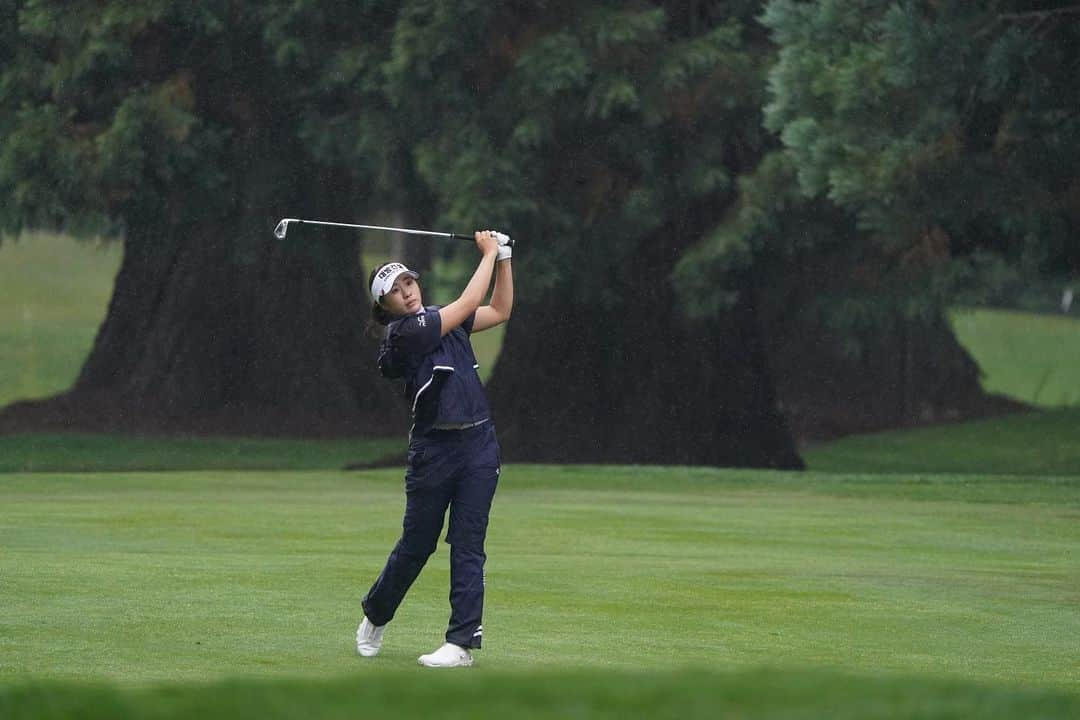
449,655
369,638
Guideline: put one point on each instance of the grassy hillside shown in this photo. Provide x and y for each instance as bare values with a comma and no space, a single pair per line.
1039,443
1033,358
54,292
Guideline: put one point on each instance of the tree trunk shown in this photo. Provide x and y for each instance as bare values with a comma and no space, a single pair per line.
900,372
216,326
635,384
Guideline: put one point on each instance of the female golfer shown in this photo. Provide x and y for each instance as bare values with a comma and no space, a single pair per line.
453,456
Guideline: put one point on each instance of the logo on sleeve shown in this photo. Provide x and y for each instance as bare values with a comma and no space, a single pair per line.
422,320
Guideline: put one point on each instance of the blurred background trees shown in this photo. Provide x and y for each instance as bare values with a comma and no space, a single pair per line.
736,218
607,137
926,157
184,130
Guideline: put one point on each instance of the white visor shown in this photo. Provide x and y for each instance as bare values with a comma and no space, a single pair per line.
384,279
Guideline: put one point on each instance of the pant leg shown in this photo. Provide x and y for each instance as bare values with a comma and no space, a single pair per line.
470,507
428,490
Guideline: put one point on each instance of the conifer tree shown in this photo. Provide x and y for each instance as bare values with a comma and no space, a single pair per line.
187,130
927,156
606,136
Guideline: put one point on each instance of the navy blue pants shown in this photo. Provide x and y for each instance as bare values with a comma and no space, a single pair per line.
459,470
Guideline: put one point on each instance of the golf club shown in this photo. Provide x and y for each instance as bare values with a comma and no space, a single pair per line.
283,228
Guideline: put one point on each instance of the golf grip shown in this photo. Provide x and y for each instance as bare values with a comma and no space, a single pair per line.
470,238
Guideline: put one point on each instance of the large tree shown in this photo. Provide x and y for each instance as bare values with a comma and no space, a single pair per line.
928,155
187,131
947,129
605,136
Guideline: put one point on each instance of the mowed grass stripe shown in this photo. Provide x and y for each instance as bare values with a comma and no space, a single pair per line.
141,578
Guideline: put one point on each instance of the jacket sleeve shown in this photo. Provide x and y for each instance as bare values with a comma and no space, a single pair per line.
416,334
407,340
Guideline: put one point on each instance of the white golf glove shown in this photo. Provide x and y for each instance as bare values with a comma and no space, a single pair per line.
504,245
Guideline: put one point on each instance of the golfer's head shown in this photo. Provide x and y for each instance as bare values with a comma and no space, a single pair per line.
395,290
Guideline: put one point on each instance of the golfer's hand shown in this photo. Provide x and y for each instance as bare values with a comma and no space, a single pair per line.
486,242
505,245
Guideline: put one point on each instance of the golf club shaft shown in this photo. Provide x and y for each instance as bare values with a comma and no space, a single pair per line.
407,231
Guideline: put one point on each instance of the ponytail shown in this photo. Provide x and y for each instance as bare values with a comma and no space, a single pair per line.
380,315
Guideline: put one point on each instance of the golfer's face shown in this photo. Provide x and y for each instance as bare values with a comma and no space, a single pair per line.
404,297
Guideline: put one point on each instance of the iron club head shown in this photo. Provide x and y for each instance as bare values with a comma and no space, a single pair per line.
282,228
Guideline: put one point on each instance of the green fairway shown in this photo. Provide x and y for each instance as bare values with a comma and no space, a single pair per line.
196,577
1029,357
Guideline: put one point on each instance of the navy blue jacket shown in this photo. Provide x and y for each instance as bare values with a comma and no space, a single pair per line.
440,372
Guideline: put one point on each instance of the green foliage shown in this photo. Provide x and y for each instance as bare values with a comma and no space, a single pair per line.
91,143
119,115
586,127
954,116
589,128
771,226
928,155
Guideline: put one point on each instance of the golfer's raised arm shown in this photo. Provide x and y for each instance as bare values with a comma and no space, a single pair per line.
500,306
454,314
